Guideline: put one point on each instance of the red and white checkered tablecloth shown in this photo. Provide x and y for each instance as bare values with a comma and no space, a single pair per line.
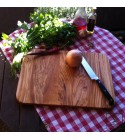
85,119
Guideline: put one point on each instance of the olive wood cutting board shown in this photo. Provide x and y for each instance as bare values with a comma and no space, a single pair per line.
48,80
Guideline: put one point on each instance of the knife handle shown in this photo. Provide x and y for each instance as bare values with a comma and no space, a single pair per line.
105,92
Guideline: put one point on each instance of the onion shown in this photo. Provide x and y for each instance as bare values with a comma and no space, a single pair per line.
74,58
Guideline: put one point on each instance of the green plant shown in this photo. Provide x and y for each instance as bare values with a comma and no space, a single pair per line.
47,29
61,12
50,30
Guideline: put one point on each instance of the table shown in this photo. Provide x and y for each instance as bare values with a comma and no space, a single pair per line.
14,116
69,119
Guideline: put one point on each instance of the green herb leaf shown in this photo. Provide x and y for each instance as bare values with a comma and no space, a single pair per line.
4,36
47,29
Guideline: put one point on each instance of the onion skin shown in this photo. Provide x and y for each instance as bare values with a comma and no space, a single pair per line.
74,58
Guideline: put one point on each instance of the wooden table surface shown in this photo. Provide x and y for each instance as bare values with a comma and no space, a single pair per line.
18,117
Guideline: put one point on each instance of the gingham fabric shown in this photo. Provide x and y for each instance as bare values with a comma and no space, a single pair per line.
68,119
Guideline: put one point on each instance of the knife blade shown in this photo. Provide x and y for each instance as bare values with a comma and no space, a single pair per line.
93,76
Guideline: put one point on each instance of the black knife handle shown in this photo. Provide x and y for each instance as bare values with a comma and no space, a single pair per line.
105,92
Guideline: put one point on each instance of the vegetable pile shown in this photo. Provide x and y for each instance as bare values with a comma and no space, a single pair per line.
46,28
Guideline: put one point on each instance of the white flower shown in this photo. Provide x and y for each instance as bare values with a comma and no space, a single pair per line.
18,57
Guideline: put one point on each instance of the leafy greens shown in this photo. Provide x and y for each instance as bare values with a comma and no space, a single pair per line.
47,29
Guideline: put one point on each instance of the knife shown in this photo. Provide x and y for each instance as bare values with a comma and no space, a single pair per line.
93,76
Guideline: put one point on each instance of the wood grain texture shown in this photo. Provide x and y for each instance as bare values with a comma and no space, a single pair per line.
48,80
9,105
30,120
2,66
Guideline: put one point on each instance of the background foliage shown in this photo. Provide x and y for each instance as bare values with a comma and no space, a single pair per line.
61,12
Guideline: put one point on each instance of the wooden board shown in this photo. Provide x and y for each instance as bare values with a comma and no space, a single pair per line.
48,80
